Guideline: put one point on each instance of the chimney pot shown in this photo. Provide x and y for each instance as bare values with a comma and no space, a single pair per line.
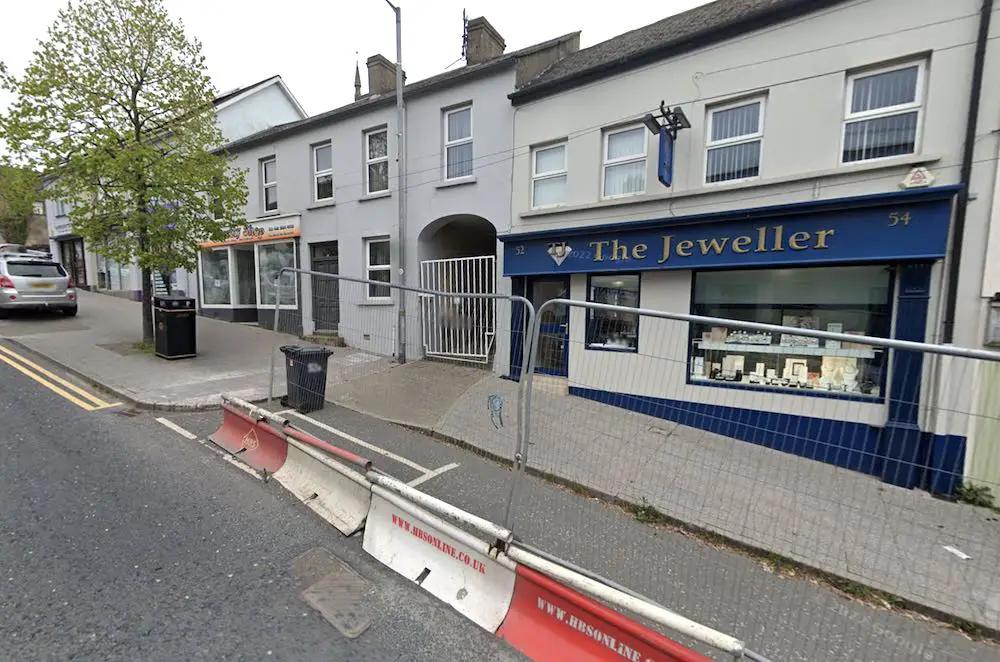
381,75
484,42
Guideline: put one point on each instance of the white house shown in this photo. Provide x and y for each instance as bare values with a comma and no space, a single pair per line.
324,195
818,173
240,112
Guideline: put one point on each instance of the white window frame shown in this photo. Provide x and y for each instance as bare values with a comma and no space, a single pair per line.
551,174
60,208
256,266
370,161
605,162
758,136
264,184
455,143
369,268
900,109
201,279
322,173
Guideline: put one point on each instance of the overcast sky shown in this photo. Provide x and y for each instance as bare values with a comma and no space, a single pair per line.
312,43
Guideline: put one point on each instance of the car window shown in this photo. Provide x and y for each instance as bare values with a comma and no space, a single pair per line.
35,269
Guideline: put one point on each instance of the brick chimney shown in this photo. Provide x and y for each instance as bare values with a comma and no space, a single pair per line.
484,42
381,75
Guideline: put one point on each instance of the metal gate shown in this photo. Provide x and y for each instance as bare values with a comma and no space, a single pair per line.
453,327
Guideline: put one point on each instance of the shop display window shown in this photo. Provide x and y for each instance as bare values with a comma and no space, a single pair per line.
855,300
613,329
215,277
271,258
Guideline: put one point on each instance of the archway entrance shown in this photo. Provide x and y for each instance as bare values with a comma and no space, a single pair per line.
458,255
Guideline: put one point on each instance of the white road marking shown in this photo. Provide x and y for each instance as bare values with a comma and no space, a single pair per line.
957,552
224,454
432,474
176,428
363,444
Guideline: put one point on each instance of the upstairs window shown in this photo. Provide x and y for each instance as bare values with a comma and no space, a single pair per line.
735,134
548,176
269,184
458,143
624,162
883,113
376,161
323,172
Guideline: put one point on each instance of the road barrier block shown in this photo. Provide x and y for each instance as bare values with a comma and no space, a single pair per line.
449,563
257,443
550,621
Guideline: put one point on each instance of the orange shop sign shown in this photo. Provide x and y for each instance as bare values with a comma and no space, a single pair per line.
275,228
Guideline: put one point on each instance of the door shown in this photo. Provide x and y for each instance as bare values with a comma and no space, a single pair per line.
326,291
553,327
73,261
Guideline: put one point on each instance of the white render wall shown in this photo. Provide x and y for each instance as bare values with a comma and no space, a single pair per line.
801,66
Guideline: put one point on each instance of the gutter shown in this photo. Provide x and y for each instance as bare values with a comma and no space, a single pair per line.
962,204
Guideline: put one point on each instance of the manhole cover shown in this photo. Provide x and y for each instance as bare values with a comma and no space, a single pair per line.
336,591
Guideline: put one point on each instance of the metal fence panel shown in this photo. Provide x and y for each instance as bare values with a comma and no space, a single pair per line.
364,374
782,468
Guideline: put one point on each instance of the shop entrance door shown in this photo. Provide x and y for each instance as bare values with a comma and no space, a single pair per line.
72,259
553,337
326,291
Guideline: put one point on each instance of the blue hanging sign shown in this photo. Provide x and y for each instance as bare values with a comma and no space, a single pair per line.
665,164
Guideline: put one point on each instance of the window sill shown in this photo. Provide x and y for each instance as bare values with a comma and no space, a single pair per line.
376,302
707,189
322,204
375,196
599,347
458,181
784,390
269,214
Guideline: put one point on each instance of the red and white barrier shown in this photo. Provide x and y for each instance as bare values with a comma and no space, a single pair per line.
549,621
300,462
539,606
255,442
449,563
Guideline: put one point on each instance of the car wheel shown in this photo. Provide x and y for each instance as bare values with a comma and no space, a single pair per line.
70,312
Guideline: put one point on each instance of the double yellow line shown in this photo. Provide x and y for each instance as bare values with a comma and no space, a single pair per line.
54,383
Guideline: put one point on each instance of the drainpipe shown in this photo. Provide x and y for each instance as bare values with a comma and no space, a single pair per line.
962,206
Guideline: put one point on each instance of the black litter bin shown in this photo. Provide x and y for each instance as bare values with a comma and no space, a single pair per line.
174,327
305,374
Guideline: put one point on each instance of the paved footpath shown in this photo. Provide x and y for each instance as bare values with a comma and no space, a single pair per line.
900,541
119,540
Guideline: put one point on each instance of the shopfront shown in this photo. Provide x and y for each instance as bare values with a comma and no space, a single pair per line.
862,266
236,277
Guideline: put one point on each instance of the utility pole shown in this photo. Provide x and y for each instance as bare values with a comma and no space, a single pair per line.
401,189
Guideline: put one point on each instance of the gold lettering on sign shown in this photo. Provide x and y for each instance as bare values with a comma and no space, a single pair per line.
619,251
768,239
740,244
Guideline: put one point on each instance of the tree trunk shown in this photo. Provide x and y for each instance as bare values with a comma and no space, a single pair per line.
147,306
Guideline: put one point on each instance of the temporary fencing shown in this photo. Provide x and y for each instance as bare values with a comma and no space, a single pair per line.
357,322
810,449
532,602
792,442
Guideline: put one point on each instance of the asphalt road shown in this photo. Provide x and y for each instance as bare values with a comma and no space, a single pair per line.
120,540
785,619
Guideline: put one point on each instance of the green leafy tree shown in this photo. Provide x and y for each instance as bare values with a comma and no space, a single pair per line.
19,190
117,108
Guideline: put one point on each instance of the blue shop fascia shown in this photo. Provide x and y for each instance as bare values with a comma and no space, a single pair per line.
866,265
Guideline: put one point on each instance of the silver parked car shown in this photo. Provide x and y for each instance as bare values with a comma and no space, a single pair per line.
32,280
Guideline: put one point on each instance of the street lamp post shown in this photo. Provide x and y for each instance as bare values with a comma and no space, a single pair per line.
401,188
